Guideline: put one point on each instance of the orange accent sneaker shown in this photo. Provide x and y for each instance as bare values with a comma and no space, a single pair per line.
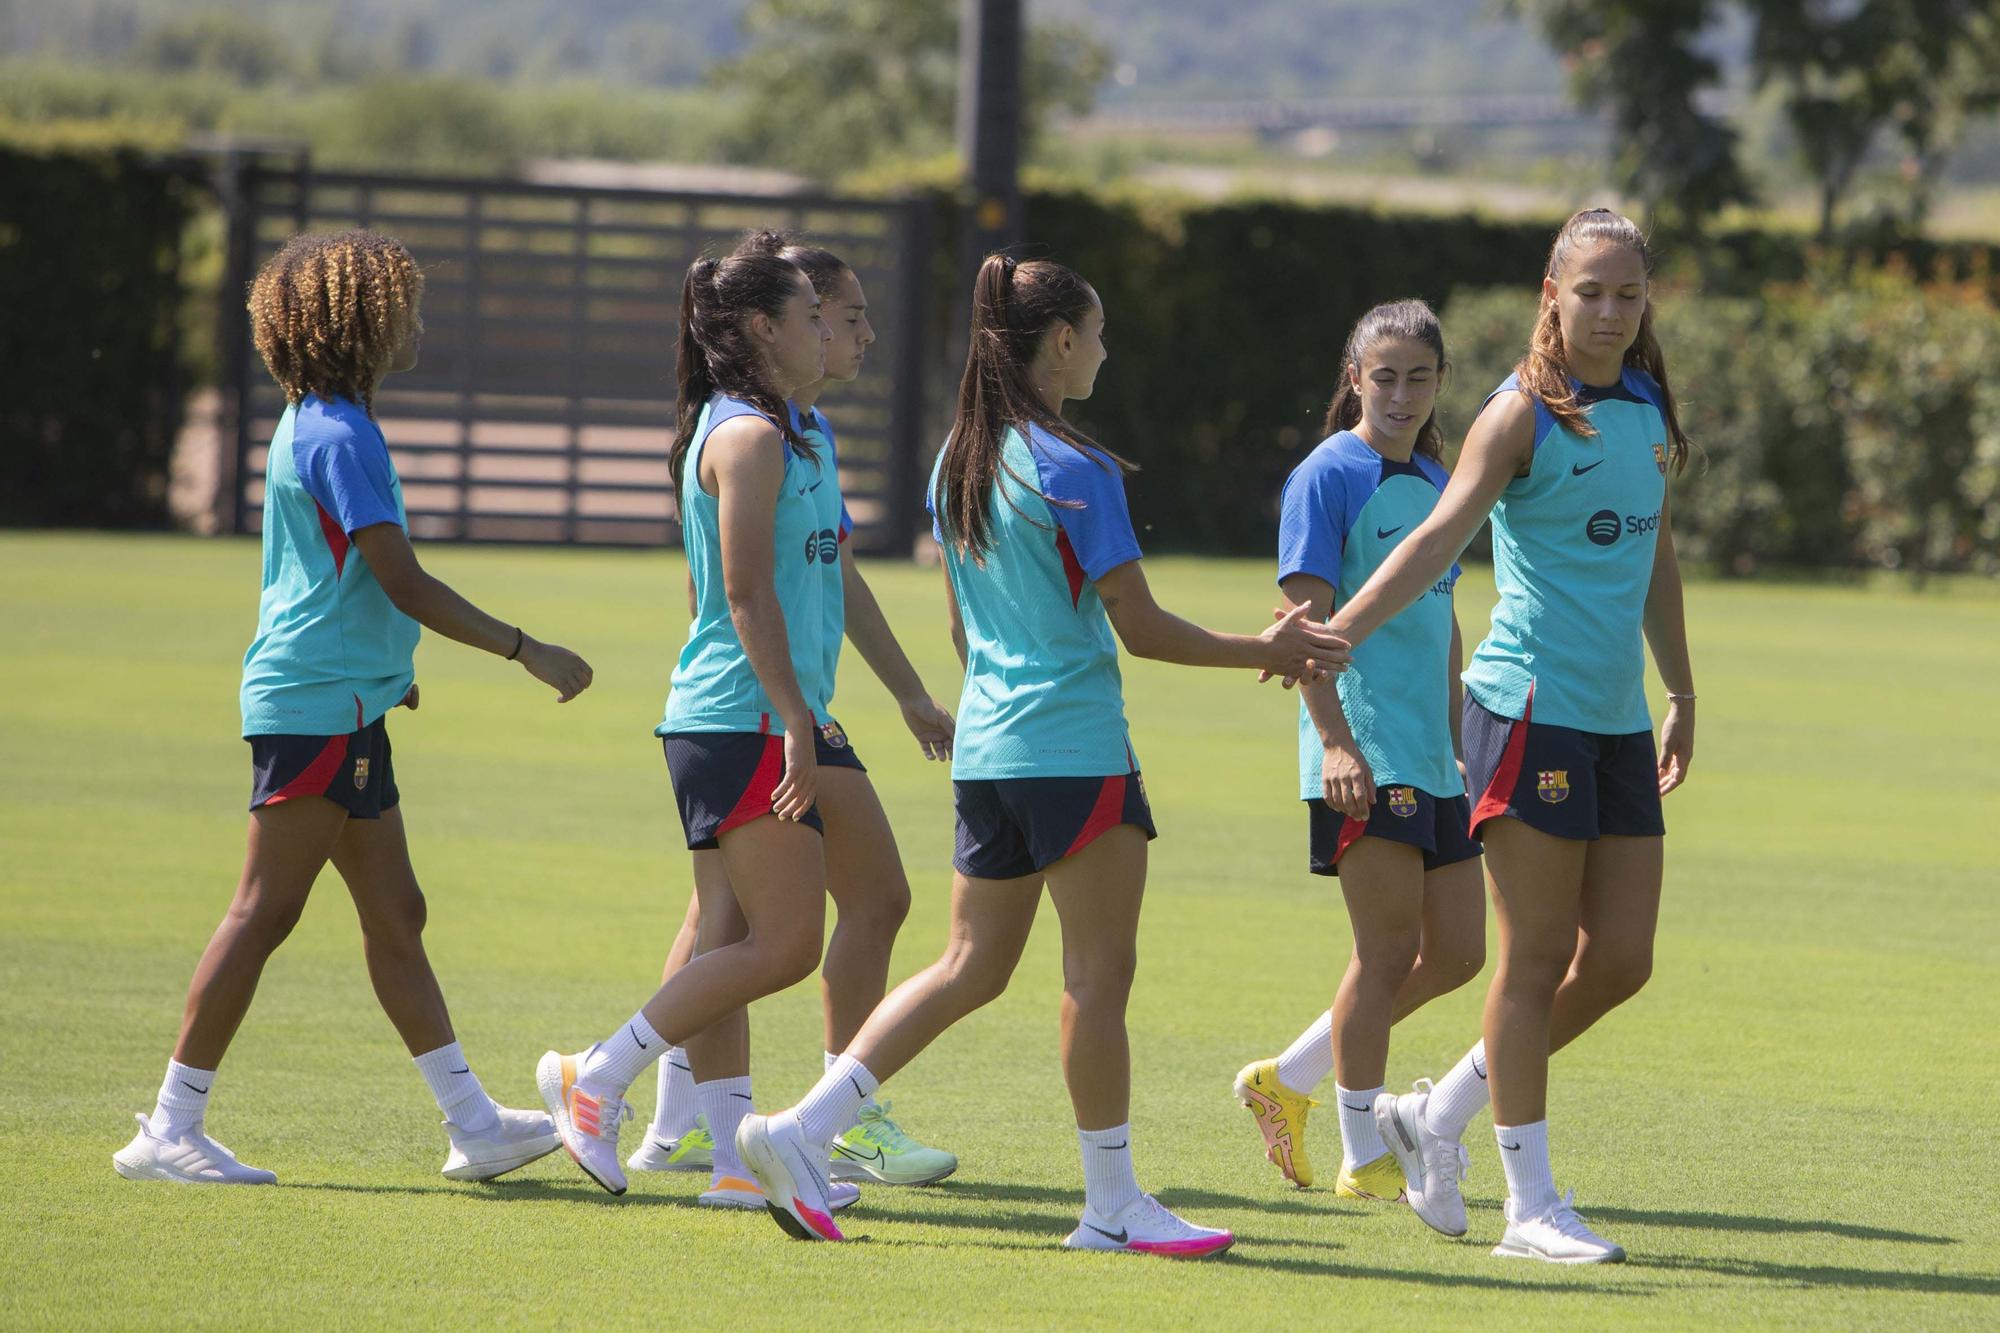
587,1122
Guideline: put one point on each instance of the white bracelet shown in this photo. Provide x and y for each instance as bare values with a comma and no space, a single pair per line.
1679,698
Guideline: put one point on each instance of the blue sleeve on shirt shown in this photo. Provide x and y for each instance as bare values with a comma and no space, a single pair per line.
1545,420
1313,518
343,463
1087,491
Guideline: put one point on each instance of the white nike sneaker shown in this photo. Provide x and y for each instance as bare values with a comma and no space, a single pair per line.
1433,1165
587,1124
692,1151
736,1192
192,1159
1557,1236
519,1137
1145,1226
792,1173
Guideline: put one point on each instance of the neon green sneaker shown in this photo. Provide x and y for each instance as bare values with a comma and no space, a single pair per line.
878,1149
1379,1181
692,1151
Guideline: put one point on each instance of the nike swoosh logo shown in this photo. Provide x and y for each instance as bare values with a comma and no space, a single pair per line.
855,1154
1119,1235
466,1070
815,486
1477,1070
744,1095
1381,533
1576,471
202,1091
678,1065
857,1088
1112,1147
1352,1107
1511,1147
635,1036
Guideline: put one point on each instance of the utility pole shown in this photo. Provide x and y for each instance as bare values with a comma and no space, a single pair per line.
989,130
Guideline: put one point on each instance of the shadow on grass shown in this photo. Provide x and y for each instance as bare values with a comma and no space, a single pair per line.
1763,1225
1831,1275
508,1191
1318,1203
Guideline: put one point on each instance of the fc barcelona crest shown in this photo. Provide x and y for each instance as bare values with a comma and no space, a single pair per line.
361,775
1660,458
831,733
1552,785
1403,801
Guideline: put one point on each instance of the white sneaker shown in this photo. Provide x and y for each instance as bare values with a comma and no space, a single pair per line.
1433,1165
692,1151
736,1192
1557,1236
1145,1226
192,1159
588,1125
519,1138
791,1172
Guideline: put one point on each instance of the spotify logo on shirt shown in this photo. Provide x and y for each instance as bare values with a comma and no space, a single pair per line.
1603,527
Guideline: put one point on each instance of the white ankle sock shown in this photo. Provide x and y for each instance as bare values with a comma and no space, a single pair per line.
1459,1095
457,1089
612,1064
1109,1185
1360,1142
676,1108
183,1100
1307,1061
866,1103
725,1101
1524,1156
835,1100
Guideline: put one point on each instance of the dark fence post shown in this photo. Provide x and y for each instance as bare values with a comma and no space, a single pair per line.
907,456
235,187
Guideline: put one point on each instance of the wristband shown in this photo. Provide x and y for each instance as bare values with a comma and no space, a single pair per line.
1680,698
520,640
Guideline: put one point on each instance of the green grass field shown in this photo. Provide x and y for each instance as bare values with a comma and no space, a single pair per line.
1793,1125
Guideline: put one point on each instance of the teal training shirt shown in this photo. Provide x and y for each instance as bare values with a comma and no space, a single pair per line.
834,518
713,687
1573,558
1345,507
1042,697
332,652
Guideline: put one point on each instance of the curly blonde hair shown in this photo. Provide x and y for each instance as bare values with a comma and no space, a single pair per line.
328,311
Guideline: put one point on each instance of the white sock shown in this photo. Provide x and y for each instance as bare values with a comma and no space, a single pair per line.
1459,1095
1360,1142
612,1064
1524,1156
183,1100
835,1100
725,1101
866,1102
1307,1061
674,1112
1108,1183
457,1089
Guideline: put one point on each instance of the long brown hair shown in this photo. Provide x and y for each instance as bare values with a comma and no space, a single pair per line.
1013,306
716,355
1544,371
1413,320
822,267
325,309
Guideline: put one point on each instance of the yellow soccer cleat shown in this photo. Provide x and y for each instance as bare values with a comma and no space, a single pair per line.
1281,1119
1379,1181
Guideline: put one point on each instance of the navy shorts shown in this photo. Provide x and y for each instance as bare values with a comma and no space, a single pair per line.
1010,827
1561,781
724,779
1437,828
353,771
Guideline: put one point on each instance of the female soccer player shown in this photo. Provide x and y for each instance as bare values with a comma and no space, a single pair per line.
864,871
336,632
1378,749
743,745
1570,456
1039,550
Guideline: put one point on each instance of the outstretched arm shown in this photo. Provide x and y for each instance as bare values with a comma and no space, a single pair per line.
1294,646
435,605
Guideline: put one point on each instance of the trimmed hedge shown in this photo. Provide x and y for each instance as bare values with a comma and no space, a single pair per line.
89,280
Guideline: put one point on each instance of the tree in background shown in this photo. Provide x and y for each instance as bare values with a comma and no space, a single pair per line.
849,82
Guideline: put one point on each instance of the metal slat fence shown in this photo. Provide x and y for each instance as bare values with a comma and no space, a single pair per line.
543,406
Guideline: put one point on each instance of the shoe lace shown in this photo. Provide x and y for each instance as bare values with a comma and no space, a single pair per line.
878,1130
1161,1219
1565,1219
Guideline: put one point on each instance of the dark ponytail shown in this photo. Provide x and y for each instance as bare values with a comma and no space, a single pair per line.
1413,320
1544,371
715,354
1013,306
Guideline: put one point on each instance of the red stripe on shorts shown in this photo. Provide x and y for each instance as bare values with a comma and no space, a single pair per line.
318,775
756,798
1499,792
1351,831
1108,813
